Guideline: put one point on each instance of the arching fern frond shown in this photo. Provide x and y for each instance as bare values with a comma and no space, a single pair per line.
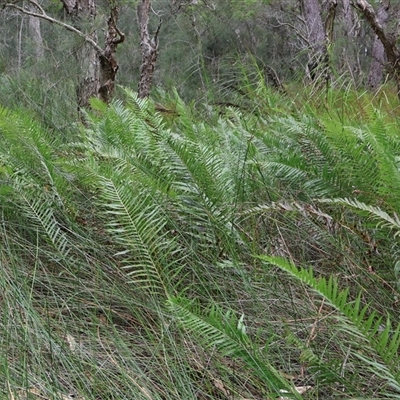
30,151
137,223
382,217
379,338
40,213
222,330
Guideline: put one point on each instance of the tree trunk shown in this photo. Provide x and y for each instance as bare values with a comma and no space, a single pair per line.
35,34
83,13
317,63
378,52
388,41
351,32
19,45
330,21
108,62
98,66
349,23
149,49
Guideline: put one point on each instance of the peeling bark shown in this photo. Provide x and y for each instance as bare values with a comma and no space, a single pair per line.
108,62
79,8
330,21
149,49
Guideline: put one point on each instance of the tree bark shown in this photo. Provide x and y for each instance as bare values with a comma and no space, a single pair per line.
378,51
83,13
149,49
35,33
318,56
348,19
388,41
351,32
330,21
108,62
19,45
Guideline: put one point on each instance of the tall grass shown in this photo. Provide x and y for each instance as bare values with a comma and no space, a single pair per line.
130,263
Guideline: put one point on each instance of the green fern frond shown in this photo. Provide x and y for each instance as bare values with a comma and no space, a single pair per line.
383,342
133,215
29,151
222,330
325,158
137,222
383,140
383,218
40,212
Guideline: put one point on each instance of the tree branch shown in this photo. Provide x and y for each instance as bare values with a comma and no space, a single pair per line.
46,17
389,43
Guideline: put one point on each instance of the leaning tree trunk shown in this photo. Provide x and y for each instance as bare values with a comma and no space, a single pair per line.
83,13
149,48
388,41
378,51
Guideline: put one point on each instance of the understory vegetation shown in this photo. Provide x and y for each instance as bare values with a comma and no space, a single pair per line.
242,250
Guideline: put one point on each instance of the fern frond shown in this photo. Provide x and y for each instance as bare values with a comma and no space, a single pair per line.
383,218
227,333
40,211
139,226
383,342
384,146
136,222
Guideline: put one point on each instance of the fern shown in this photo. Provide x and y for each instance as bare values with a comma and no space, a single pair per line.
137,222
38,191
383,218
367,330
124,166
40,212
228,334
30,151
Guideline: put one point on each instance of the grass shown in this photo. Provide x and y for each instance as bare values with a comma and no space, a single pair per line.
129,257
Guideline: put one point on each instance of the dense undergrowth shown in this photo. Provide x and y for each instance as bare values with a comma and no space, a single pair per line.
244,251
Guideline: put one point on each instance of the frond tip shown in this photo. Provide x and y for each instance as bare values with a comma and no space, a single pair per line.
383,340
383,218
222,330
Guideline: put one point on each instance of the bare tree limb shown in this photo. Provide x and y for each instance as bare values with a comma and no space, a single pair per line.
52,20
295,29
388,41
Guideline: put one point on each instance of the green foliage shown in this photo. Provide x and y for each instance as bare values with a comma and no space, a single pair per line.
128,252
228,334
33,180
380,334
